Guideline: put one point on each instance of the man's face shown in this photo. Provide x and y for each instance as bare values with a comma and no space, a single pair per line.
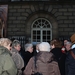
68,47
65,41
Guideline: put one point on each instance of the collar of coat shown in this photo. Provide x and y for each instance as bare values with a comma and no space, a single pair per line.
14,50
4,50
73,46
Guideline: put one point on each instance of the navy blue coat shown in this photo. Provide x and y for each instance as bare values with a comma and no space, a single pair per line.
70,63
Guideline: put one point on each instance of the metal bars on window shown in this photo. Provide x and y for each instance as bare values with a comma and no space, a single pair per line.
41,30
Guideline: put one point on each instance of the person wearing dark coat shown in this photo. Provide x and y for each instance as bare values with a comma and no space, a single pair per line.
56,46
27,54
70,60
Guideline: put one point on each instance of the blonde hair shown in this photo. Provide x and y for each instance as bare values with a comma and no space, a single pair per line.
5,42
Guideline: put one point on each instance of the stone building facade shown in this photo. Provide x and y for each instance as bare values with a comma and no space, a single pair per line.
22,15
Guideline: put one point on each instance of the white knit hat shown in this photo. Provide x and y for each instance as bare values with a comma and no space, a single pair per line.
44,46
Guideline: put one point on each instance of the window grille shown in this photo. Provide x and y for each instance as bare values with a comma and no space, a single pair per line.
41,30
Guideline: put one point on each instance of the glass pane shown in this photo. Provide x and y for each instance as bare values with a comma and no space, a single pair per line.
34,40
38,37
44,37
34,37
48,37
38,32
48,32
34,26
36,22
43,20
44,40
38,40
34,32
48,25
44,32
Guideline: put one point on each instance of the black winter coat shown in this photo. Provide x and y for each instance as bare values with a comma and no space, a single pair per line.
60,57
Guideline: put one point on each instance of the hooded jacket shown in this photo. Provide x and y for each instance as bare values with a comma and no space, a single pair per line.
45,63
7,65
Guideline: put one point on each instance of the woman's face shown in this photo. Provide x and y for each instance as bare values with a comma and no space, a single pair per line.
30,49
52,46
18,47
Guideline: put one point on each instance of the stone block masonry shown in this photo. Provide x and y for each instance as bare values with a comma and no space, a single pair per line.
19,15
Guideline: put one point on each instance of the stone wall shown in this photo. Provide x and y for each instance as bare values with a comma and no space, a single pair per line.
19,16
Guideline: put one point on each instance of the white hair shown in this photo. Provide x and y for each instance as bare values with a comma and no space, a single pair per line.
27,46
68,43
44,46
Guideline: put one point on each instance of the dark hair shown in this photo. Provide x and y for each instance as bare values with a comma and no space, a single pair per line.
57,43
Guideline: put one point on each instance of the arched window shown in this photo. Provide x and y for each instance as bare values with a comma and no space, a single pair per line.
41,30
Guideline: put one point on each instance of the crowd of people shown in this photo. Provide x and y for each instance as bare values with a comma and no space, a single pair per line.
47,58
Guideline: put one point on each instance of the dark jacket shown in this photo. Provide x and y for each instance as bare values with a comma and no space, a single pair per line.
60,57
70,63
7,65
57,53
27,55
45,65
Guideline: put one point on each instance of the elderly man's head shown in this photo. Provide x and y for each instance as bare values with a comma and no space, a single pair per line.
29,47
68,45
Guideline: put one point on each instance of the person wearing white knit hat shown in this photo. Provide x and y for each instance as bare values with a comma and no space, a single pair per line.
44,46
